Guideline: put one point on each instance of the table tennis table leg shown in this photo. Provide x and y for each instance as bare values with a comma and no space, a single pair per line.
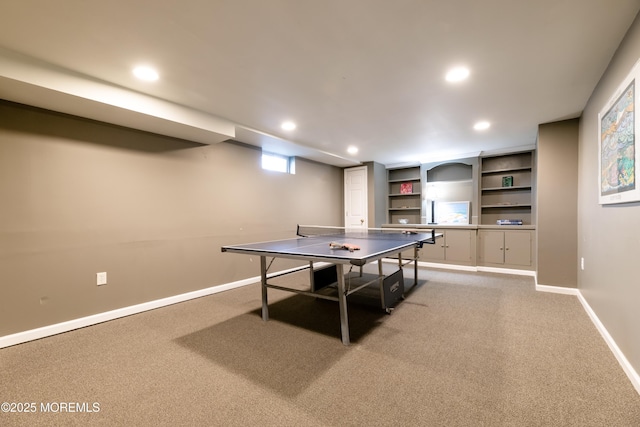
415,265
342,302
263,280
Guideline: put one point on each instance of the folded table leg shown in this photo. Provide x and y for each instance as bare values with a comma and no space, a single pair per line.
263,279
342,302
416,254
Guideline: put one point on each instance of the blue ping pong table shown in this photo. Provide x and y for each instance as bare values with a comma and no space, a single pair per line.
336,247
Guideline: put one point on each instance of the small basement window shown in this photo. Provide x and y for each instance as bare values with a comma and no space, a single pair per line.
278,163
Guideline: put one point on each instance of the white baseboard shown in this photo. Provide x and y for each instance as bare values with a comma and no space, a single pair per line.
557,290
477,268
447,266
514,271
622,360
58,328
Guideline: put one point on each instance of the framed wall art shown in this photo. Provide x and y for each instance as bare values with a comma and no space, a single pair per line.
618,152
456,213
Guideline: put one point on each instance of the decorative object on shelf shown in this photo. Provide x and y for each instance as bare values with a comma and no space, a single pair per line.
619,157
456,213
406,188
403,221
507,181
509,222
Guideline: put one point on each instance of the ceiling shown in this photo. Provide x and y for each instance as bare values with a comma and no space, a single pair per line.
367,73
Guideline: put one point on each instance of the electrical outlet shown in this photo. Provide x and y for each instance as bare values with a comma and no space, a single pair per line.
101,278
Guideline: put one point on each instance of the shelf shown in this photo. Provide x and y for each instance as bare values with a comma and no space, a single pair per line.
404,194
401,205
404,180
513,187
517,201
507,170
515,205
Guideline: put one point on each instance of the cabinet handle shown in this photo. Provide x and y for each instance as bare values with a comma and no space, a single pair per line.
506,249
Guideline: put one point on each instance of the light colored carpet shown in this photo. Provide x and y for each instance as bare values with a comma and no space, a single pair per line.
463,349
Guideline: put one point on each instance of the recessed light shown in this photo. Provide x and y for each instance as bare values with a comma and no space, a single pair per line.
352,150
288,125
457,74
146,73
483,125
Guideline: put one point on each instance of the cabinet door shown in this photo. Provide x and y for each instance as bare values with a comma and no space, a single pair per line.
435,252
458,245
492,246
517,247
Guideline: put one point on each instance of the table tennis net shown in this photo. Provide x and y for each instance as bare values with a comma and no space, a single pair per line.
356,233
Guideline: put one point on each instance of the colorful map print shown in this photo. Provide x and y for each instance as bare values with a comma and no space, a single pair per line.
617,170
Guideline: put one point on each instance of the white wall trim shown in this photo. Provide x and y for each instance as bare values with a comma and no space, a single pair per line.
448,266
58,328
514,271
70,325
622,360
557,290
473,268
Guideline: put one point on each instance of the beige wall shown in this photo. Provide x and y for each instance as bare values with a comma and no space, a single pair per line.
609,236
80,197
557,204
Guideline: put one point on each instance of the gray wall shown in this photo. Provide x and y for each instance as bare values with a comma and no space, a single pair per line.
376,194
557,204
80,197
609,236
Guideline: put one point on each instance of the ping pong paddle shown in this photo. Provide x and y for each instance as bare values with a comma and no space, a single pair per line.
347,246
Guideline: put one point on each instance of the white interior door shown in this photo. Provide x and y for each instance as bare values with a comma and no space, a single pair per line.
355,197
